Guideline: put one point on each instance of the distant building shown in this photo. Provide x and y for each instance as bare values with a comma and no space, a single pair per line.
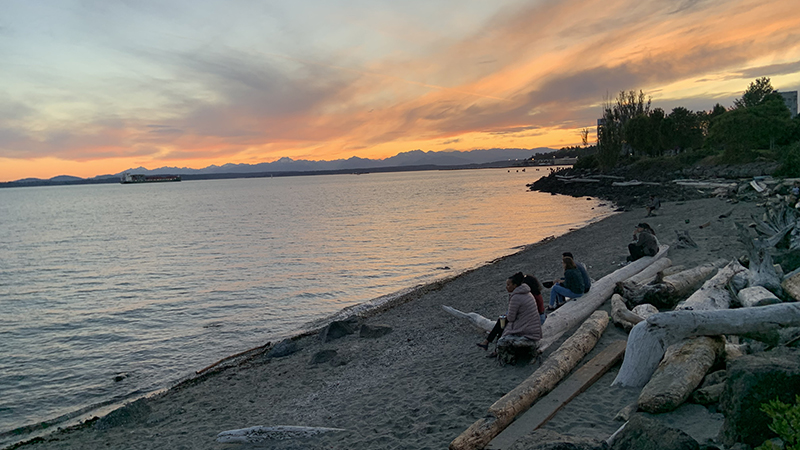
790,98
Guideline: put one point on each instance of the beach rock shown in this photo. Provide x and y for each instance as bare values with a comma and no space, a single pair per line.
323,356
645,433
130,413
791,287
708,395
373,331
283,348
714,378
551,440
752,381
338,329
625,413
757,296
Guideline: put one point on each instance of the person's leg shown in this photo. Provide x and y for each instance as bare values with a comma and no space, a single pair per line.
553,296
498,328
635,251
560,295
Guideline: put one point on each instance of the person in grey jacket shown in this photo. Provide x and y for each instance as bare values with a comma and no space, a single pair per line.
522,317
572,286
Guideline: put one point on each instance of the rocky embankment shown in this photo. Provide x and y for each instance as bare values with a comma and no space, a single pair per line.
629,189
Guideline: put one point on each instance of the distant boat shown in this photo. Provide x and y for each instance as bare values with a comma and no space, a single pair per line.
128,178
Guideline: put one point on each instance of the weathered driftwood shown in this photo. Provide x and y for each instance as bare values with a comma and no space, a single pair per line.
574,312
621,315
776,223
684,240
756,296
671,270
644,310
668,291
680,373
714,293
275,433
476,319
761,271
648,340
542,381
649,274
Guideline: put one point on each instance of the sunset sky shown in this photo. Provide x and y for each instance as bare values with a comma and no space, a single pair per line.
95,87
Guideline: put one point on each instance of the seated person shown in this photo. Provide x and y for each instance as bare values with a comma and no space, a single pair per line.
536,291
645,243
522,318
653,205
572,286
587,281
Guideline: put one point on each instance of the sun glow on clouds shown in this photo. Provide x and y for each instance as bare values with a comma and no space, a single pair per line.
94,88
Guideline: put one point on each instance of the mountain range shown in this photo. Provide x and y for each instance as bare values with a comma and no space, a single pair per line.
414,158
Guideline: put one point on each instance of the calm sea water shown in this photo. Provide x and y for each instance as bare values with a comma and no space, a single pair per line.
158,280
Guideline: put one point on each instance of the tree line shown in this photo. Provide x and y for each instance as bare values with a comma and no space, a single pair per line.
758,125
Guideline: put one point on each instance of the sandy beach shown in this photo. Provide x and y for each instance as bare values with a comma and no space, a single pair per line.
422,384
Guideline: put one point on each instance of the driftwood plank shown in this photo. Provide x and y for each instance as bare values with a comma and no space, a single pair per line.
542,381
544,409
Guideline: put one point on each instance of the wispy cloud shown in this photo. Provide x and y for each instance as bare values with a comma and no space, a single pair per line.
189,83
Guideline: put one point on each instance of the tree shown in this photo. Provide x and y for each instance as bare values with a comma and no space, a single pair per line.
616,115
755,93
585,137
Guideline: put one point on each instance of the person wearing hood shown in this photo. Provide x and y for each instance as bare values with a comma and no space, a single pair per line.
522,317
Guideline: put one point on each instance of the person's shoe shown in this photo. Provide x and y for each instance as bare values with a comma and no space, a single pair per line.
560,304
483,346
550,308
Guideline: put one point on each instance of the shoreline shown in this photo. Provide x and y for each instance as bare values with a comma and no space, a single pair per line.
435,348
86,415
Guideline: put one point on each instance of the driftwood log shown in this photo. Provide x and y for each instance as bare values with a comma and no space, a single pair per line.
669,290
649,274
649,339
476,319
714,293
621,315
761,271
542,381
576,311
680,373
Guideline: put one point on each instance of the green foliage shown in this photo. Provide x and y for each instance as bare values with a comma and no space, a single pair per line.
755,93
790,161
587,162
785,422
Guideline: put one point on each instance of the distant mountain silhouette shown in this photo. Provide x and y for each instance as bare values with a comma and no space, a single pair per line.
411,158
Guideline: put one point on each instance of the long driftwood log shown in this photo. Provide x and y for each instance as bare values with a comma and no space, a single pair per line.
714,293
669,290
649,339
542,381
679,373
476,319
621,315
649,274
576,311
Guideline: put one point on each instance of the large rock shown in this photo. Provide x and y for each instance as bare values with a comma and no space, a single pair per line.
283,348
644,433
338,329
752,381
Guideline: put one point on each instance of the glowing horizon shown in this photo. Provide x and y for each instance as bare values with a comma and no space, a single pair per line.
92,90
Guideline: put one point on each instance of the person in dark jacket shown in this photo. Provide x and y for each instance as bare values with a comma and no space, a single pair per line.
645,242
587,281
571,287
